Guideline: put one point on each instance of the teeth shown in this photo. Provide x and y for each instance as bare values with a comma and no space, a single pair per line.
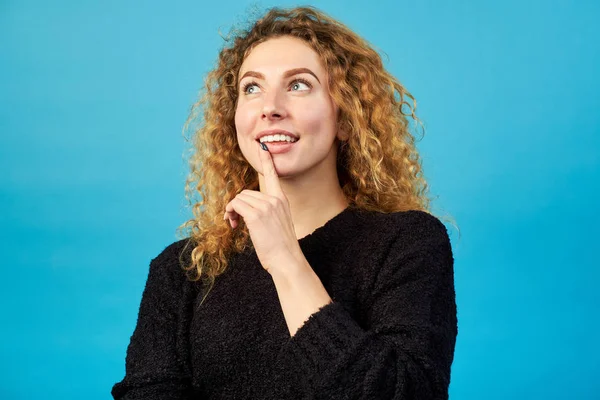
277,138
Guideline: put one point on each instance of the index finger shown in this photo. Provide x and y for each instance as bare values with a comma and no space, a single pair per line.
270,174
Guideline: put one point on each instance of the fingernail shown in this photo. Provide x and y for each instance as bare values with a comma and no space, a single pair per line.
264,147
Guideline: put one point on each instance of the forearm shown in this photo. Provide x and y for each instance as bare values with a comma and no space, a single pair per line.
300,293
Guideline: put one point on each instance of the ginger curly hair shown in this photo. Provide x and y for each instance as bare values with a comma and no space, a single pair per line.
379,168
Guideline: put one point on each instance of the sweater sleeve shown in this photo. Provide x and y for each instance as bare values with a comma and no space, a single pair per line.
407,347
156,365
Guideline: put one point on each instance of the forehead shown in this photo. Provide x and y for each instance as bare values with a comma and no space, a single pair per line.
282,53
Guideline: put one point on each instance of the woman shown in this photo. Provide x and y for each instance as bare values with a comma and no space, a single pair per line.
313,267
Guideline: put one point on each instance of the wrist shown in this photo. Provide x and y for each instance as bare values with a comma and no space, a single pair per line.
301,281
293,273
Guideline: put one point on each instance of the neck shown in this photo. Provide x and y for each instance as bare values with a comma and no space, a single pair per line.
309,213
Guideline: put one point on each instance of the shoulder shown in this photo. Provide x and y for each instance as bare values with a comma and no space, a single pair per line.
413,228
169,262
389,239
419,225
174,251
404,247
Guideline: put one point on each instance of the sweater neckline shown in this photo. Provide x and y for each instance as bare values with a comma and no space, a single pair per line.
330,226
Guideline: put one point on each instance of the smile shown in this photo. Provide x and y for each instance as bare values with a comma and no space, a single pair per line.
277,138
279,147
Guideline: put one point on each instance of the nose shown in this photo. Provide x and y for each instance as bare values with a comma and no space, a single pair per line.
273,107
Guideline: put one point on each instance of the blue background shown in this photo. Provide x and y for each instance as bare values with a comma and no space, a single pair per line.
93,97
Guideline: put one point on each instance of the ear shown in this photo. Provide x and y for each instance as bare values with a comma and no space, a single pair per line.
342,134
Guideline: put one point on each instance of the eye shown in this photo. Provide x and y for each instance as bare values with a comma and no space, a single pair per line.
300,85
250,88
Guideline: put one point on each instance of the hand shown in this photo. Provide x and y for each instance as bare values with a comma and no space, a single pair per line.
269,220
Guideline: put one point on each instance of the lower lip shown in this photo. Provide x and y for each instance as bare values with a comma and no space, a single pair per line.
280,147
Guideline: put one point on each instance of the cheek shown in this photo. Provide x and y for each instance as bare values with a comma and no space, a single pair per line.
238,120
243,119
319,119
243,129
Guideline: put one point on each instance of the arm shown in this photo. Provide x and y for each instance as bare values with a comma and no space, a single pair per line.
407,348
300,293
156,363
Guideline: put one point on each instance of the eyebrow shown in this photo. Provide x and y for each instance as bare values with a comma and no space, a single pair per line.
287,74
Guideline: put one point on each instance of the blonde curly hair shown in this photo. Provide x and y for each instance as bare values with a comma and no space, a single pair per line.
378,165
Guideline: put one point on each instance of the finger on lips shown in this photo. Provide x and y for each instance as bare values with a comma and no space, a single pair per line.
271,185
269,172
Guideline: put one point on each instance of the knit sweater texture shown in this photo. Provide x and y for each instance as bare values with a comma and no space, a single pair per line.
389,332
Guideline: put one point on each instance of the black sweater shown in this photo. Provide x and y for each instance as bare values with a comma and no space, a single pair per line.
389,333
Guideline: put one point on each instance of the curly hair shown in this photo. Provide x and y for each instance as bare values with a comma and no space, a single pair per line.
378,166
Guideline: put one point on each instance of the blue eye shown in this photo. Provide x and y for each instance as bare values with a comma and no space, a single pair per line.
300,85
251,88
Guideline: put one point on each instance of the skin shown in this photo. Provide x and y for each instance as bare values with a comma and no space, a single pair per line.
299,190
307,174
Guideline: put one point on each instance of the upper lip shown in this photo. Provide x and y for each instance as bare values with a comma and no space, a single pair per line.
274,132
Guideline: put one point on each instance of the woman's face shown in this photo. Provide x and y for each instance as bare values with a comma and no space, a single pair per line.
283,87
